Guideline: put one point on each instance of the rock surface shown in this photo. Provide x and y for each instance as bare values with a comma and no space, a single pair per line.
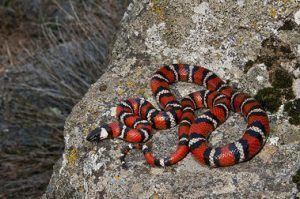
221,36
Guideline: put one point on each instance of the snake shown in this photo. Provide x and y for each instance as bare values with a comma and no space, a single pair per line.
137,118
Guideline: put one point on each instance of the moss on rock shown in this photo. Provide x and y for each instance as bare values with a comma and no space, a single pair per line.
269,98
288,25
293,110
273,51
280,78
296,179
288,93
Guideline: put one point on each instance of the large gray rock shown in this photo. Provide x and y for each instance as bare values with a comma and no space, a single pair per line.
221,36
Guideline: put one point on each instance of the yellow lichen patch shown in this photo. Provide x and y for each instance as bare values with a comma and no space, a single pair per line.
139,71
157,9
130,84
141,91
253,24
117,177
286,1
218,56
119,83
272,131
241,40
86,130
179,60
81,189
72,156
154,196
273,13
120,92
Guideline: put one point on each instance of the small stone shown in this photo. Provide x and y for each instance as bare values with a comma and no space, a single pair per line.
260,78
297,17
296,88
113,111
274,141
241,2
296,72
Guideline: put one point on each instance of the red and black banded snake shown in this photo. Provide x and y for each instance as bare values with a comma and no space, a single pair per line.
138,117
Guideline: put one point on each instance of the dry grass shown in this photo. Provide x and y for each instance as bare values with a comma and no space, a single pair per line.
27,160
44,85
50,57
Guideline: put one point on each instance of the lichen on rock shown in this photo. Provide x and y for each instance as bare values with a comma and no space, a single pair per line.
221,38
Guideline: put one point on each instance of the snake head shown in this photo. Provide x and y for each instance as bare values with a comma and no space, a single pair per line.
97,134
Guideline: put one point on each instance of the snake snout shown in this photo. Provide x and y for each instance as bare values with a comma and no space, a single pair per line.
99,133
94,135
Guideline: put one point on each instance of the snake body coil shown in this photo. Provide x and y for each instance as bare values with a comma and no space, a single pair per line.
138,117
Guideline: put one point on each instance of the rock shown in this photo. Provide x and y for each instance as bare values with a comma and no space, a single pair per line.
296,88
297,17
222,38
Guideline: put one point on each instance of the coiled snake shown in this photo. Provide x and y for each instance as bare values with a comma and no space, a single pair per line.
138,117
